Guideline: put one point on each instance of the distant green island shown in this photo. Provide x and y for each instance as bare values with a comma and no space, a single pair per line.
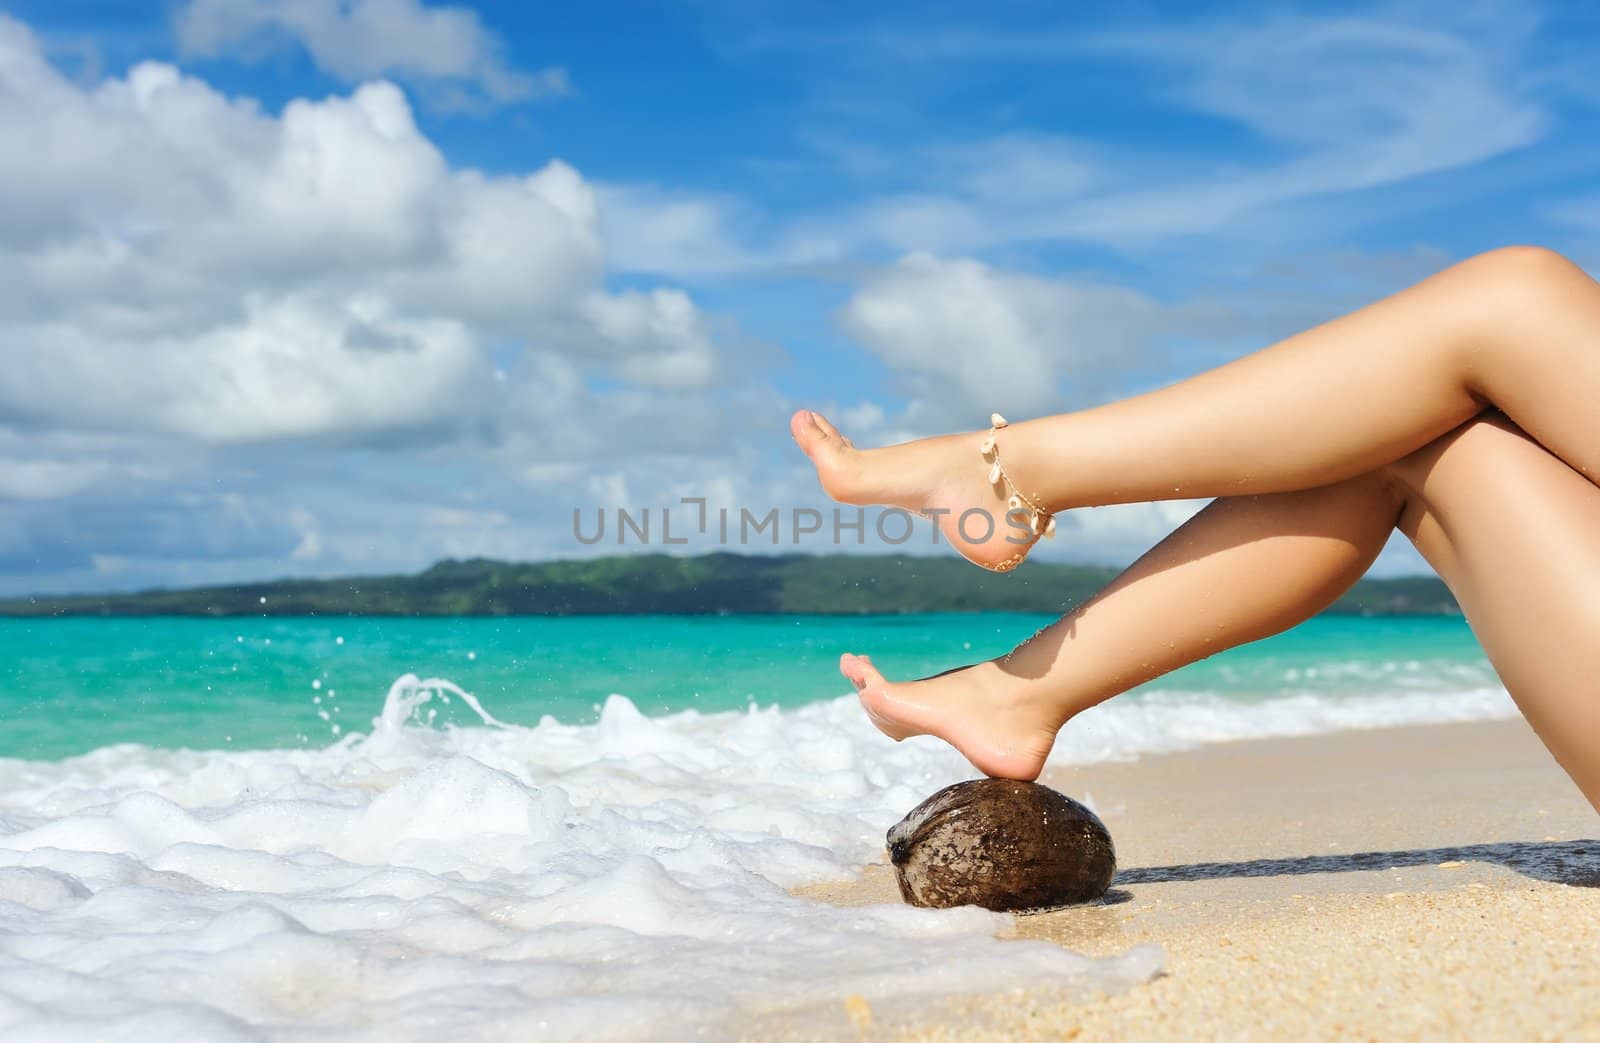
709,584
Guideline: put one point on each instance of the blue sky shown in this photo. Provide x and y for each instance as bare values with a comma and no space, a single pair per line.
321,287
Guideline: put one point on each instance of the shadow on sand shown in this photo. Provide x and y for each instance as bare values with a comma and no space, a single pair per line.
1572,862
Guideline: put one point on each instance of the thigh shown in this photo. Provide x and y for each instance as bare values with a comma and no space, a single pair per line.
1515,532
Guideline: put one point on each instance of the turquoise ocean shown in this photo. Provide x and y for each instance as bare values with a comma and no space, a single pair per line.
72,685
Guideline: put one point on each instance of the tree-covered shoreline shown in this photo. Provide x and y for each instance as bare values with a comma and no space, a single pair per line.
708,584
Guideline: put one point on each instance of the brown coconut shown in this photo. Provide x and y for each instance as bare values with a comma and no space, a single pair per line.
1001,844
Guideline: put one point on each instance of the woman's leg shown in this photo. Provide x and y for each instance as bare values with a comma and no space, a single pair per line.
1243,568
1517,329
1512,530
1516,535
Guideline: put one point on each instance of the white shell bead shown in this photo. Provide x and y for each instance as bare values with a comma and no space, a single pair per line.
988,446
994,473
1050,528
996,420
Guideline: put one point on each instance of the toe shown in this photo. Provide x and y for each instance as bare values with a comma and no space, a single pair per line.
870,674
829,431
839,467
852,666
806,431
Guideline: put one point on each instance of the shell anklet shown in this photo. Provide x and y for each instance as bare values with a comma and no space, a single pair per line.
1040,521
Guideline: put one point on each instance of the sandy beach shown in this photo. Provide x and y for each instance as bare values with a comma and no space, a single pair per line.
1410,883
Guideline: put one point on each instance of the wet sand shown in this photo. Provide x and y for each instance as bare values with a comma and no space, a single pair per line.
1409,883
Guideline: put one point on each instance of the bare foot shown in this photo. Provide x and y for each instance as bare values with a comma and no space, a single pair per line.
997,721
944,478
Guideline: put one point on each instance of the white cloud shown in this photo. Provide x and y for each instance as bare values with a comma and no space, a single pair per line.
961,189
861,417
1118,532
685,356
1022,168
446,48
1329,80
1001,340
47,466
34,479
961,322
1349,106
310,546
649,229
290,367
1581,212
174,260
1362,103
464,518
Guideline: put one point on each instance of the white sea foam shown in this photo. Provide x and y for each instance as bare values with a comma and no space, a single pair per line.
621,880
626,879
1167,721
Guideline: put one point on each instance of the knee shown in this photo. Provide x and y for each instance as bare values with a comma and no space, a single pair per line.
1402,479
1520,274
1522,261
1503,298
1405,477
1405,480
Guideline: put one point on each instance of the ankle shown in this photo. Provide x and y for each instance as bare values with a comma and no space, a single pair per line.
1006,690
1028,468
